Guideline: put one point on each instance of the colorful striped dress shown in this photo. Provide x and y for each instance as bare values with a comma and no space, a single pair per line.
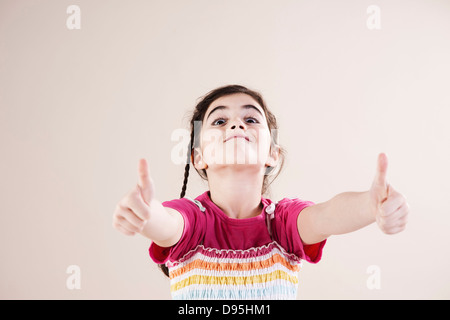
219,257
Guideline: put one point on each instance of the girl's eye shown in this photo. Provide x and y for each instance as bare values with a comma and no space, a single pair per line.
252,120
222,121
218,122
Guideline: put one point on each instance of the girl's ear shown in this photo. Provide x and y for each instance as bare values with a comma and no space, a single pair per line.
197,159
274,156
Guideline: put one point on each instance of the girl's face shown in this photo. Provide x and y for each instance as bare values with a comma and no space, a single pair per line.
234,131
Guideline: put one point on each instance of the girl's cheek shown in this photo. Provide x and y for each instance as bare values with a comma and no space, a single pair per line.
264,138
211,139
264,143
212,136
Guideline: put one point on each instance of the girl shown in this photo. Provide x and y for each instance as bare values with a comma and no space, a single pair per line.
231,242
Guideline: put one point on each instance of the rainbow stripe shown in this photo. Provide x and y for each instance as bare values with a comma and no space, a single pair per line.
266,272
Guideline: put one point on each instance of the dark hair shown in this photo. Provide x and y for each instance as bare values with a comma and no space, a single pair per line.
198,115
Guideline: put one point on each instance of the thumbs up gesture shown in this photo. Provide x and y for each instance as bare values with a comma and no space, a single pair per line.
390,206
133,211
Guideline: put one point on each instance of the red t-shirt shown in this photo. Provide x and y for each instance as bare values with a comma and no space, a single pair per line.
206,224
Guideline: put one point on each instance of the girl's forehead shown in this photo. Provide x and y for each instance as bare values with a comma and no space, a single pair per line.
234,100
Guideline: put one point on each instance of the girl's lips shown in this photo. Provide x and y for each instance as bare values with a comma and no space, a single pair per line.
237,136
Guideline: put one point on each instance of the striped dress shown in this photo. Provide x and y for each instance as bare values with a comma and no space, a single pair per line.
222,258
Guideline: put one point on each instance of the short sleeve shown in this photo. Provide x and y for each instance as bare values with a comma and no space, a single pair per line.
193,232
286,233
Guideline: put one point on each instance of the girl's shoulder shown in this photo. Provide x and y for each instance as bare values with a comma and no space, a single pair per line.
197,202
187,206
292,204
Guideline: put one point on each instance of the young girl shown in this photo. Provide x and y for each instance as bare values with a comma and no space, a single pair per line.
231,242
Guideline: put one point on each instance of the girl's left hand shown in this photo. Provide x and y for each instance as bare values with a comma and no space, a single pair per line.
390,206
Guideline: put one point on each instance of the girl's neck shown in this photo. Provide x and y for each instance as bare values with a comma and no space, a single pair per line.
236,191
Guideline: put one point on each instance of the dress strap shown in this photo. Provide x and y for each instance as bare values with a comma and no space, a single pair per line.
198,203
270,214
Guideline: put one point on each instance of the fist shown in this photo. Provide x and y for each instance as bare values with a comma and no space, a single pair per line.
390,206
133,211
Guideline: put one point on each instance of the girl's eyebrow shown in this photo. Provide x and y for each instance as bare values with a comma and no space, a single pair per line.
247,106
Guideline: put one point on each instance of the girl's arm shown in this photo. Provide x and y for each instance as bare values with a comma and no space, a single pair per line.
140,212
350,211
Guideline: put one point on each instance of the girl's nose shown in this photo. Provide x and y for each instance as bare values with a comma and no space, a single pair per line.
240,126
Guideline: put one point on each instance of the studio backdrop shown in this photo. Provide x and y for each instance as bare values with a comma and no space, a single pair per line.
87,88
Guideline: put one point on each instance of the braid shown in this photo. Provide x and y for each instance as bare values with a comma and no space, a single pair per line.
188,160
163,267
186,176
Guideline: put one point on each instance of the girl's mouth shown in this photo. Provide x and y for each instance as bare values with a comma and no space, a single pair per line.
236,136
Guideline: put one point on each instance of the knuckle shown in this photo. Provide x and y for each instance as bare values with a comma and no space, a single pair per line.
115,223
118,209
124,203
116,215
119,212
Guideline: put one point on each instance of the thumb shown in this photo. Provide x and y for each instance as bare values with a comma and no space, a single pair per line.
380,182
145,182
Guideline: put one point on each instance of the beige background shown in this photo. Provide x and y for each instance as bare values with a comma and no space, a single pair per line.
79,107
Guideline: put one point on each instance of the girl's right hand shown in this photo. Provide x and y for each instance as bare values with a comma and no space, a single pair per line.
133,211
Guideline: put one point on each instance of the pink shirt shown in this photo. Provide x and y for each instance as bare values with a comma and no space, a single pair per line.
214,229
